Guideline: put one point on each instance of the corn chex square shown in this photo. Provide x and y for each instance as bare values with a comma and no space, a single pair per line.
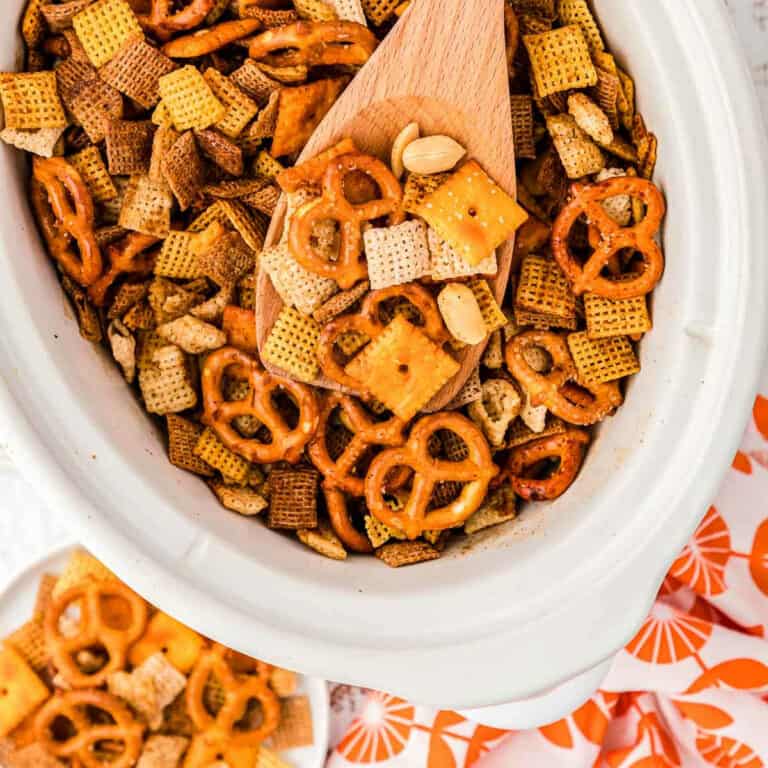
579,154
543,288
489,307
240,108
166,384
577,12
104,27
295,728
560,60
396,255
31,101
213,452
189,99
378,11
472,213
623,317
446,264
602,360
292,344
90,165
297,286
419,186
403,368
176,258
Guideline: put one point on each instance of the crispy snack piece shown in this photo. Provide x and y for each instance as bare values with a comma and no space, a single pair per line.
379,11
287,442
293,498
162,751
43,142
472,213
400,553
577,12
324,541
88,321
128,256
542,288
315,44
90,165
396,255
31,101
78,708
579,154
240,108
183,436
612,238
104,27
136,70
146,207
94,628
553,389
220,150
64,209
295,726
23,690
184,171
334,205
181,645
239,690
129,145
522,125
497,407
254,82
299,112
498,507
560,60
292,345
475,471
214,452
244,501
418,187
310,173
341,302
602,360
163,21
166,384
207,41
623,317
567,448
95,103
189,99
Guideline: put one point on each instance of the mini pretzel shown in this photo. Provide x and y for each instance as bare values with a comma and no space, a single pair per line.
587,200
568,448
209,40
315,44
368,322
64,208
287,442
81,749
333,205
339,477
582,405
476,471
126,257
94,629
239,689
163,21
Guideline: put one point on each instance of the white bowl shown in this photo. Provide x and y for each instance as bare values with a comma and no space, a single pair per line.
530,605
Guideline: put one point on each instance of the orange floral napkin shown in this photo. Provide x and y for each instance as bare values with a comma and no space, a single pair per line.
690,689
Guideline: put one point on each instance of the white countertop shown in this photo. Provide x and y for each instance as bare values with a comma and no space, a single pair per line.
28,530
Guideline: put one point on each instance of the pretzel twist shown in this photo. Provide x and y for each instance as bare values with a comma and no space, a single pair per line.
287,442
608,238
339,478
476,472
349,268
128,256
368,322
315,44
584,404
568,448
93,629
239,689
164,22
212,39
73,706
64,209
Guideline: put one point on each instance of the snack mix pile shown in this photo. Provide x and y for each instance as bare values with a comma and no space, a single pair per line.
164,136
97,677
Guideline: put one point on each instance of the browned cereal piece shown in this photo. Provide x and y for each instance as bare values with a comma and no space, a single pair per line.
58,17
240,108
324,541
162,751
183,436
189,99
88,320
227,260
340,302
498,507
602,360
403,368
254,82
396,255
140,317
470,392
90,165
622,149
606,94
184,170
295,727
265,165
379,11
265,200
263,127
293,498
129,145
625,317
560,60
472,213
543,288
523,431
30,756
31,101
269,17
577,12
244,501
123,346
315,10
400,553
292,345
104,27
212,451
300,111
127,296
146,207
136,70
93,105
220,150
491,311
250,226
522,125
32,27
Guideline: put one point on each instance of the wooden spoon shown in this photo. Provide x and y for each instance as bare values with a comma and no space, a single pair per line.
443,66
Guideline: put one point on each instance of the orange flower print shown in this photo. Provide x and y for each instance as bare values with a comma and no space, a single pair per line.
701,565
668,636
591,720
758,558
760,413
726,753
381,732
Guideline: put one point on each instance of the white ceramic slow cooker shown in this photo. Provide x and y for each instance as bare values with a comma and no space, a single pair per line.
527,606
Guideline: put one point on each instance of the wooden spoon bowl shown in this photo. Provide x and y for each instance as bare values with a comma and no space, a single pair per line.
443,66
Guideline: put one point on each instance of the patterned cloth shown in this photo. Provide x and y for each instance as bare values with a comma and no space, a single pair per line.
690,689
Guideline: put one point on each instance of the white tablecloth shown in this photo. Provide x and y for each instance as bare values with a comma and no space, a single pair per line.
28,530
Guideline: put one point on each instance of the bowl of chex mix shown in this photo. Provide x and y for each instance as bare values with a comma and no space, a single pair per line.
377,414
